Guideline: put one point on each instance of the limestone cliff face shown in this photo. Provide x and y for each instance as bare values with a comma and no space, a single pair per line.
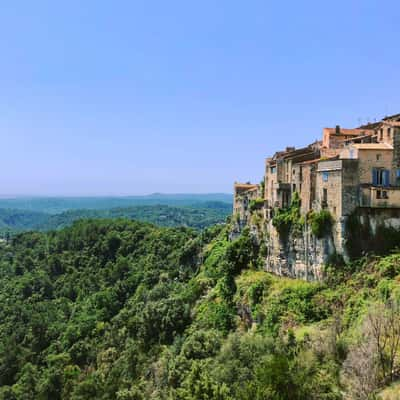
302,255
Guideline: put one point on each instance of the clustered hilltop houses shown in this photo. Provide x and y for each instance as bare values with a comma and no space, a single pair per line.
337,197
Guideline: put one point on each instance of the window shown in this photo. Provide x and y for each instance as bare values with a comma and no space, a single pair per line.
352,154
382,194
380,177
273,170
294,187
381,134
325,197
325,176
389,131
398,176
378,157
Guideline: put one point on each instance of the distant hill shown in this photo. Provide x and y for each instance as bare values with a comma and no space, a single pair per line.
199,216
56,205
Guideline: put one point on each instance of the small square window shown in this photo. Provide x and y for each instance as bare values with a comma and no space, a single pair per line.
378,157
382,194
325,176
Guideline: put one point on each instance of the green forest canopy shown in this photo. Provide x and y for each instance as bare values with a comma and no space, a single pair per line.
116,309
199,215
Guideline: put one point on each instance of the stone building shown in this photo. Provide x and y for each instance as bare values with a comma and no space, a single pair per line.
244,194
349,172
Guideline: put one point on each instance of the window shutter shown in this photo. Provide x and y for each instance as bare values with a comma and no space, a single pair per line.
386,178
374,176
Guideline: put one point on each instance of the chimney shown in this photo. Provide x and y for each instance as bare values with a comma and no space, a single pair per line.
337,130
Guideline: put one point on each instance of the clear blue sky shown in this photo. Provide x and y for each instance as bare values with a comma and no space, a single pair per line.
133,97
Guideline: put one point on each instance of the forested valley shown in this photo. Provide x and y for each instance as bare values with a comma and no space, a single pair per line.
194,215
118,309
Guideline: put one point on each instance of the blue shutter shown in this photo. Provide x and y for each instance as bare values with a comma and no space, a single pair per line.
386,178
374,176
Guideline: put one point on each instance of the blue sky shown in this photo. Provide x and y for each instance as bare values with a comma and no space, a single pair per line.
133,97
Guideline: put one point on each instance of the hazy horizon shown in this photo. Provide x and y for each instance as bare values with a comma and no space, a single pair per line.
115,100
11,196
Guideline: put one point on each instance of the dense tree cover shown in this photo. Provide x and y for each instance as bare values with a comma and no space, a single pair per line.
115,309
197,216
56,205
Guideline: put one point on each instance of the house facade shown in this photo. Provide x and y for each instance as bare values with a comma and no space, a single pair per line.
347,172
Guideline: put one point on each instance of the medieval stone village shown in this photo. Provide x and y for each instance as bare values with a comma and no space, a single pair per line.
335,198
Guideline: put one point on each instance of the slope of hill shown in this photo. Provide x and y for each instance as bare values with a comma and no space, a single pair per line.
114,309
198,216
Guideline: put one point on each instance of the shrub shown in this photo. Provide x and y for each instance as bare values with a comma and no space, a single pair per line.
321,223
289,218
256,204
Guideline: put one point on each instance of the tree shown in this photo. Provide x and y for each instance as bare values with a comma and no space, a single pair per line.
373,360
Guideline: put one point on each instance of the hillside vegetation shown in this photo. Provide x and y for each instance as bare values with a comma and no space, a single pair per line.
199,216
115,309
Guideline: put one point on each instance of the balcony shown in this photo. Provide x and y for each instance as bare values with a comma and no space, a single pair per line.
380,197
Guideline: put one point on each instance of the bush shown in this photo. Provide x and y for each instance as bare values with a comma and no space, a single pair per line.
256,204
289,218
321,223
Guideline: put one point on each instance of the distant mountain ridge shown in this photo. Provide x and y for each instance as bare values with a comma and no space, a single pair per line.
55,205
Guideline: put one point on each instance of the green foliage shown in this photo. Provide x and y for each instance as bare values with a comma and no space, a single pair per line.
197,216
115,309
321,223
289,219
262,186
294,304
256,204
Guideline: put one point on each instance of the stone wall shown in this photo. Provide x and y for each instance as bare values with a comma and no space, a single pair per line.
396,148
371,230
301,255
